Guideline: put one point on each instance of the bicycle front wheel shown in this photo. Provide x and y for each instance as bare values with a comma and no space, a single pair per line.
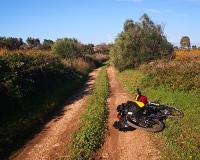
145,123
171,111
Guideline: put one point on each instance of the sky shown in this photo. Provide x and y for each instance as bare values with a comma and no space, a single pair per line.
96,21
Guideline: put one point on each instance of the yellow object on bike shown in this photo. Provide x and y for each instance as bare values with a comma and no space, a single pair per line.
140,104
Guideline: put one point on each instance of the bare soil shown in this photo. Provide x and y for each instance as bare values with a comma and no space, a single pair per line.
50,143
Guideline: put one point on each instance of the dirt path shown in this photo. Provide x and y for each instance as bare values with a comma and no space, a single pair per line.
131,145
50,143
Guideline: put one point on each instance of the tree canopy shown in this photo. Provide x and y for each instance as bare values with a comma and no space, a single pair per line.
68,48
185,42
140,42
10,43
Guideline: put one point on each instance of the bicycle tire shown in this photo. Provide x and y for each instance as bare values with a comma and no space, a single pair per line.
171,111
149,125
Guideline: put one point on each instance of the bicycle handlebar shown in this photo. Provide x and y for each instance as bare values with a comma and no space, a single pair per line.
138,91
153,103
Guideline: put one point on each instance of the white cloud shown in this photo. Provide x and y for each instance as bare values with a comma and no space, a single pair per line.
159,11
154,11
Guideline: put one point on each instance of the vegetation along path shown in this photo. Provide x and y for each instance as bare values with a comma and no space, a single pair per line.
119,145
50,143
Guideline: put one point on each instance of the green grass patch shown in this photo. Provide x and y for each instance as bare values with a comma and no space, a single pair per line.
180,139
93,123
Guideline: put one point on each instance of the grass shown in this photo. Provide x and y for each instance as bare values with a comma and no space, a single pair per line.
93,123
180,139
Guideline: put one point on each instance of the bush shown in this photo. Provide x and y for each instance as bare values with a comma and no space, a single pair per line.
32,85
177,75
66,48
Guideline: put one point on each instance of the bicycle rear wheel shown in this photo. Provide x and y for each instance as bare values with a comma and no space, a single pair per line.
145,123
171,111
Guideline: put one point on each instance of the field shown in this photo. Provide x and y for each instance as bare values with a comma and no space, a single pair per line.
174,83
33,84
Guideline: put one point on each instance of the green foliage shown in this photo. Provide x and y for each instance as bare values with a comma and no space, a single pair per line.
87,49
176,75
67,48
31,87
180,138
185,42
139,42
32,42
22,75
93,123
10,43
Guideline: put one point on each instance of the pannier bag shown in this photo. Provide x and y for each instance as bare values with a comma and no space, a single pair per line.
141,98
135,107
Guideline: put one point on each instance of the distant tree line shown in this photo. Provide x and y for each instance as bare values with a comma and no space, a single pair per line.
12,43
66,47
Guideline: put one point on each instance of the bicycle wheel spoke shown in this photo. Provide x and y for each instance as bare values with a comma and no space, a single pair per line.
148,124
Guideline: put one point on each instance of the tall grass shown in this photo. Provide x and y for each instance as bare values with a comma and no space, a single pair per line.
180,138
188,55
177,75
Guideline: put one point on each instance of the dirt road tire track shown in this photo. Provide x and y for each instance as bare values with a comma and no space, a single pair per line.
50,144
131,145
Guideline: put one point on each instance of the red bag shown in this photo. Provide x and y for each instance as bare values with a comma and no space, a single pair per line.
141,98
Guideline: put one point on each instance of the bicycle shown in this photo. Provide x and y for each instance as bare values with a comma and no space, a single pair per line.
152,115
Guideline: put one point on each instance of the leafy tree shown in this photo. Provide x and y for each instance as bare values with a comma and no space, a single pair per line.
194,47
47,42
87,49
68,48
185,42
46,45
10,43
32,42
139,42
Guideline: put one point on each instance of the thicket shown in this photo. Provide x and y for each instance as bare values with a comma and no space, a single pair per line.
140,42
176,75
32,85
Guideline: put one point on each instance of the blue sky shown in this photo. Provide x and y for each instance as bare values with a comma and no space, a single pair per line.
92,21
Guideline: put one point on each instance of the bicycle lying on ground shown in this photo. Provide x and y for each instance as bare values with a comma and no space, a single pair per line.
144,115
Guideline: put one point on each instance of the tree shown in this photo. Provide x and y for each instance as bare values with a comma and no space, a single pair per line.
87,49
185,42
68,48
140,42
10,43
32,42
46,45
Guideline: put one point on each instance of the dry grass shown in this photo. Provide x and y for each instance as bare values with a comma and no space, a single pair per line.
80,64
188,55
25,51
